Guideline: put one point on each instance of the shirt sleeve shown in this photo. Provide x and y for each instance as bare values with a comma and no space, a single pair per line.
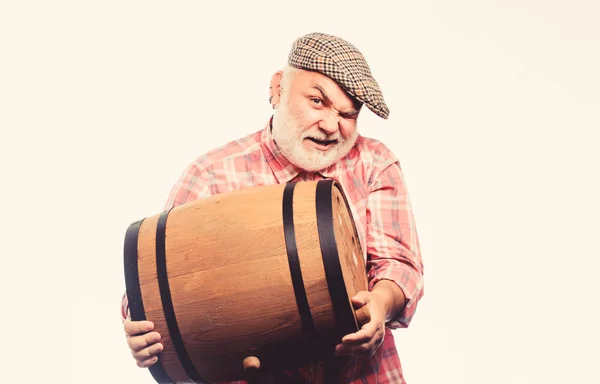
189,187
124,307
393,251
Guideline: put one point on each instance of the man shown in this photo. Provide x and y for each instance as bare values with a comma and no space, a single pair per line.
313,135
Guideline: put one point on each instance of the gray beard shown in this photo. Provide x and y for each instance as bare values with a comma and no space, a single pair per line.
289,138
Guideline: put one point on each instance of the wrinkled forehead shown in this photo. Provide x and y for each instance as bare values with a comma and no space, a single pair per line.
307,80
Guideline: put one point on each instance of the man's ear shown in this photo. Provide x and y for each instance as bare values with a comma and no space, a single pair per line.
275,88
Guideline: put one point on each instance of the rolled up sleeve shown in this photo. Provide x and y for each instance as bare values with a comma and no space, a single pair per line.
393,251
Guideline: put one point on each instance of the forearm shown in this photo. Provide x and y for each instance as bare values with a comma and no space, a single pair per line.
391,296
394,257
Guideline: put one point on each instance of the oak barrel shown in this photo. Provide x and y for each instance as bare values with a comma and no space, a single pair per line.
258,279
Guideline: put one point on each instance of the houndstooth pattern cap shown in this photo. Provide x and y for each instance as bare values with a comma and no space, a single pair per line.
342,62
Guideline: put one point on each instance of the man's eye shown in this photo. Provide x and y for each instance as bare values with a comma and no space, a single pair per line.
317,101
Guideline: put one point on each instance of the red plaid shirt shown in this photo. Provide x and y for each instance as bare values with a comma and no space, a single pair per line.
374,184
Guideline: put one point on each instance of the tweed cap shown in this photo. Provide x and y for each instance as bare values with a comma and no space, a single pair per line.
342,62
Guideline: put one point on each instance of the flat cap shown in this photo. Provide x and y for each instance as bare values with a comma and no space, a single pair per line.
342,62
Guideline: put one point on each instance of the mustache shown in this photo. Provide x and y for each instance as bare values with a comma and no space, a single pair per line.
322,137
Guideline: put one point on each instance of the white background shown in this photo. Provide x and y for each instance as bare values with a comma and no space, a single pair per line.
495,112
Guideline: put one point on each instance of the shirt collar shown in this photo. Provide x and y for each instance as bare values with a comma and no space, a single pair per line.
283,170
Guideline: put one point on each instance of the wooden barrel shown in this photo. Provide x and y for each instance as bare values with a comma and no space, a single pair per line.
258,279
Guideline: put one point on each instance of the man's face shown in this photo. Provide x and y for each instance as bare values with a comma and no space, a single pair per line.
314,124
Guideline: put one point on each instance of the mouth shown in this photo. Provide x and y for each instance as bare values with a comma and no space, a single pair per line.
322,145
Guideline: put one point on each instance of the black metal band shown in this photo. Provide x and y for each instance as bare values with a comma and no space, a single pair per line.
165,296
134,292
342,310
308,325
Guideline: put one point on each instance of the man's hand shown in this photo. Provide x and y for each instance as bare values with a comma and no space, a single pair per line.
384,302
144,344
365,342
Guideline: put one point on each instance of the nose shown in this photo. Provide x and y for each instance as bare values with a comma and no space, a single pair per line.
330,123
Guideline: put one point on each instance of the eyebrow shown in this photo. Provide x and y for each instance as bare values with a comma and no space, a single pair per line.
351,112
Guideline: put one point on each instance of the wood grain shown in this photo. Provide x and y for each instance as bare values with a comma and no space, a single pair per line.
151,299
230,282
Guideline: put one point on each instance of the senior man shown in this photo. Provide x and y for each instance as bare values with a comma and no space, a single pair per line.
313,135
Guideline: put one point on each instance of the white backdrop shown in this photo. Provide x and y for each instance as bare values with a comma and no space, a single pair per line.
494,115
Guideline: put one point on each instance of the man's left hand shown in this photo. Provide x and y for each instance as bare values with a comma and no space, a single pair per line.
369,338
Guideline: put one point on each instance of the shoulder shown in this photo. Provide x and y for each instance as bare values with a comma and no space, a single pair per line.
374,152
248,145
207,171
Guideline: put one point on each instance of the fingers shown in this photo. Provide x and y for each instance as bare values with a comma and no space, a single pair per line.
370,329
366,333
147,363
361,298
361,349
358,344
133,328
147,353
143,343
137,343
367,340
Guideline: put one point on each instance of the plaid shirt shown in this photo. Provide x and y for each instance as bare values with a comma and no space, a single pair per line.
374,184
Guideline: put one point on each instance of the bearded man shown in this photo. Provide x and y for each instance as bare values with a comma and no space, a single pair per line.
312,135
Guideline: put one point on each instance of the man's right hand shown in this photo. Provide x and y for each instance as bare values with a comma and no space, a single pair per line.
143,343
